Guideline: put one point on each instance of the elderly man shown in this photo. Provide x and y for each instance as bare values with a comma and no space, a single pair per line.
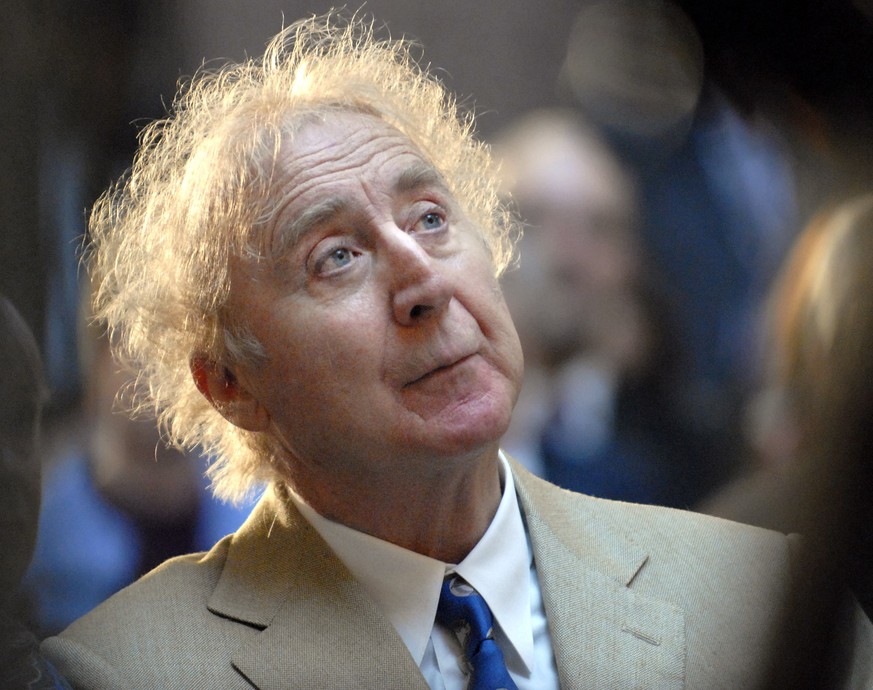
303,266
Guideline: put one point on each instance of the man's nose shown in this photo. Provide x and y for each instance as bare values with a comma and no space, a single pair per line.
420,287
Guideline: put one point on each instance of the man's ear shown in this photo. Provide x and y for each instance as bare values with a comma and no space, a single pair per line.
222,389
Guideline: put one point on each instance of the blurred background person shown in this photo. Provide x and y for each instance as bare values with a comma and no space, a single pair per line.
718,188
117,501
23,393
600,410
812,421
812,424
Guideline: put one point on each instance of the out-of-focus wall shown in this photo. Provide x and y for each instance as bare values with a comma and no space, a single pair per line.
501,56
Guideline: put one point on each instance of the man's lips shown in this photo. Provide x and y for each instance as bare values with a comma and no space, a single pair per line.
439,369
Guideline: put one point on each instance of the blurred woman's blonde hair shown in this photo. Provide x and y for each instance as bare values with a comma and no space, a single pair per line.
821,311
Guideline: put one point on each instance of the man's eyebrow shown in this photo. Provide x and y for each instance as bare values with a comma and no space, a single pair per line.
419,175
416,176
285,238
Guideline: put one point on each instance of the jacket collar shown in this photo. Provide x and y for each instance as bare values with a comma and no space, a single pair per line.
275,554
604,634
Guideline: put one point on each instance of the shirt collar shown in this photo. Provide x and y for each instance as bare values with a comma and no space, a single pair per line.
405,585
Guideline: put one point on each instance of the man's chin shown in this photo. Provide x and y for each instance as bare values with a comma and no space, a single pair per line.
466,428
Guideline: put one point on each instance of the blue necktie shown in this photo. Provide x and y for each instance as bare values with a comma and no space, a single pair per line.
463,610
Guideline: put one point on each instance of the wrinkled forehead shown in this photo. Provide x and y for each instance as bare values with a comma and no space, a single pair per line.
343,143
320,158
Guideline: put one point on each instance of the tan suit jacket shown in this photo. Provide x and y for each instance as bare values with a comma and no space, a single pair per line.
635,596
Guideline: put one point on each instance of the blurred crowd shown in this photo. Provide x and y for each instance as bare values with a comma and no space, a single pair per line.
116,500
691,291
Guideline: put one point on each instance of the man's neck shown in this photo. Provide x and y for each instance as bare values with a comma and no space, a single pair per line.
441,514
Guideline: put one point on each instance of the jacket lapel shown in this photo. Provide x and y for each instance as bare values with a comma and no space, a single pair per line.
604,634
318,627
281,579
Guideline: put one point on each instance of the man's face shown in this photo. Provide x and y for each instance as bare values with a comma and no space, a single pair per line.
387,339
579,255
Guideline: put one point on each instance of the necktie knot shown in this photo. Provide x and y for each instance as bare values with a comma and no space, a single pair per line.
463,610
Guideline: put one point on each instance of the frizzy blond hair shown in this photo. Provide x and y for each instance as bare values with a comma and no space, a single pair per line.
162,237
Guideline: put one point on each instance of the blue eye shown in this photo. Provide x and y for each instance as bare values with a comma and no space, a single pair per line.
432,221
340,257
334,260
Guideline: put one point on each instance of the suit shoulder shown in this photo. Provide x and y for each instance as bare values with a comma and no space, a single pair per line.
189,578
681,534
681,520
142,619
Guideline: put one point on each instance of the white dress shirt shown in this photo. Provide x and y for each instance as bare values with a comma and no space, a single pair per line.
405,585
